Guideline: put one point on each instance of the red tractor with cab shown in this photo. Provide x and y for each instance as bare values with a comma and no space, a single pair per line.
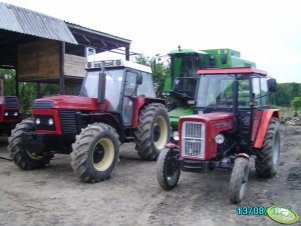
232,122
116,104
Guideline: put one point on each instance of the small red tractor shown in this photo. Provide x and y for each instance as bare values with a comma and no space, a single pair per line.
232,122
117,104
9,113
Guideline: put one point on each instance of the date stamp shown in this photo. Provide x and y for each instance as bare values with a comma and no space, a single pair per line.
251,210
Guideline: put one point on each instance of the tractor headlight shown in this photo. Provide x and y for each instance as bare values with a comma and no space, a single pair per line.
175,135
6,114
15,113
50,122
38,121
219,139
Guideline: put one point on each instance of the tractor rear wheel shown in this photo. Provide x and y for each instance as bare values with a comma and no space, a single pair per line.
152,133
95,152
268,156
239,179
168,169
24,157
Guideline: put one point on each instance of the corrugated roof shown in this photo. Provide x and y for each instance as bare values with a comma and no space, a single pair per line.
99,33
17,19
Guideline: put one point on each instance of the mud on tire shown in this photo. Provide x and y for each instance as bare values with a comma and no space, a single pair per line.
153,131
95,152
21,156
268,156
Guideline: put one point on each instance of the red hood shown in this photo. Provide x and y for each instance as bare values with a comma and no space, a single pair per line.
69,102
209,116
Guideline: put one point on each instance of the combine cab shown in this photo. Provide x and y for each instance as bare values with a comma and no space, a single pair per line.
232,121
116,104
9,113
180,85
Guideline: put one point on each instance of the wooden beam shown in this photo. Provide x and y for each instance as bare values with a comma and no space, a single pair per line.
62,73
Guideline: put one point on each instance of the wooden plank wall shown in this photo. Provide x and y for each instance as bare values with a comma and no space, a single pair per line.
38,60
75,66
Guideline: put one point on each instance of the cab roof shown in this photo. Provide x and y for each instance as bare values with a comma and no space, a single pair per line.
239,70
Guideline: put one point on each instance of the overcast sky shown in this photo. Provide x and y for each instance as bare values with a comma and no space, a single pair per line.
266,32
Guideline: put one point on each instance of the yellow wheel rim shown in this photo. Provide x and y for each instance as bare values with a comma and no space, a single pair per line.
103,154
161,125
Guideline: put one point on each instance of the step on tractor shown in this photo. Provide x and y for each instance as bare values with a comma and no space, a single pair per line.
180,84
9,113
232,121
116,104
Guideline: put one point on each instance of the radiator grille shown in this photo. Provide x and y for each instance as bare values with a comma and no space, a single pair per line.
68,121
42,104
193,139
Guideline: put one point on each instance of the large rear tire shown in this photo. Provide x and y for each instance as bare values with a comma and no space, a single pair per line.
239,179
168,169
95,153
23,157
268,156
153,131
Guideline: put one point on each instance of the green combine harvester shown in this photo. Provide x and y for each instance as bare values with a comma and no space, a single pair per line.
179,86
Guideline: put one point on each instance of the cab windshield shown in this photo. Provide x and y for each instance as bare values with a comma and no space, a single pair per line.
114,81
216,91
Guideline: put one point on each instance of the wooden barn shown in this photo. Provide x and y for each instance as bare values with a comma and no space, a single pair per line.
45,49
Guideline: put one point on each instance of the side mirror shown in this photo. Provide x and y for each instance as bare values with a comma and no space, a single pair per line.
101,88
139,79
272,85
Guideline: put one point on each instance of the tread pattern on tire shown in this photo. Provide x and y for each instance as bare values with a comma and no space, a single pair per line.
264,163
161,175
235,180
79,155
19,156
143,137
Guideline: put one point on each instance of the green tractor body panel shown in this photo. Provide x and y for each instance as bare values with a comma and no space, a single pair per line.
176,113
180,84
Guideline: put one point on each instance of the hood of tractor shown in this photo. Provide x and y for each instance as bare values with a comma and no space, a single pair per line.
209,117
67,102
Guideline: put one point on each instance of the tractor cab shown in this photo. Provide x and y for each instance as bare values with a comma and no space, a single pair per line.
115,83
244,92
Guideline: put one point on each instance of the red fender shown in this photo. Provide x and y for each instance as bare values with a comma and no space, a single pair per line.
264,124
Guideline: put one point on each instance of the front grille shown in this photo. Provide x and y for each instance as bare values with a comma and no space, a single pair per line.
68,121
11,101
42,104
193,139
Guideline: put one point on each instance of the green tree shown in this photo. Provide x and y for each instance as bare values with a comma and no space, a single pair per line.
159,70
296,103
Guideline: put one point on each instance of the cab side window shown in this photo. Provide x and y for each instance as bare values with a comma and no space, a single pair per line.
147,86
264,92
244,93
256,90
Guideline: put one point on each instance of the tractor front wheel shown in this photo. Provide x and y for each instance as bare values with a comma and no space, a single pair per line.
22,156
95,152
268,156
152,133
239,179
168,169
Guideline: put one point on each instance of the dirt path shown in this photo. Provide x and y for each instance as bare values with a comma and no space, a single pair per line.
54,196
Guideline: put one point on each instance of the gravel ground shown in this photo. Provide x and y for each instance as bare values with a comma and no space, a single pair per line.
54,195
